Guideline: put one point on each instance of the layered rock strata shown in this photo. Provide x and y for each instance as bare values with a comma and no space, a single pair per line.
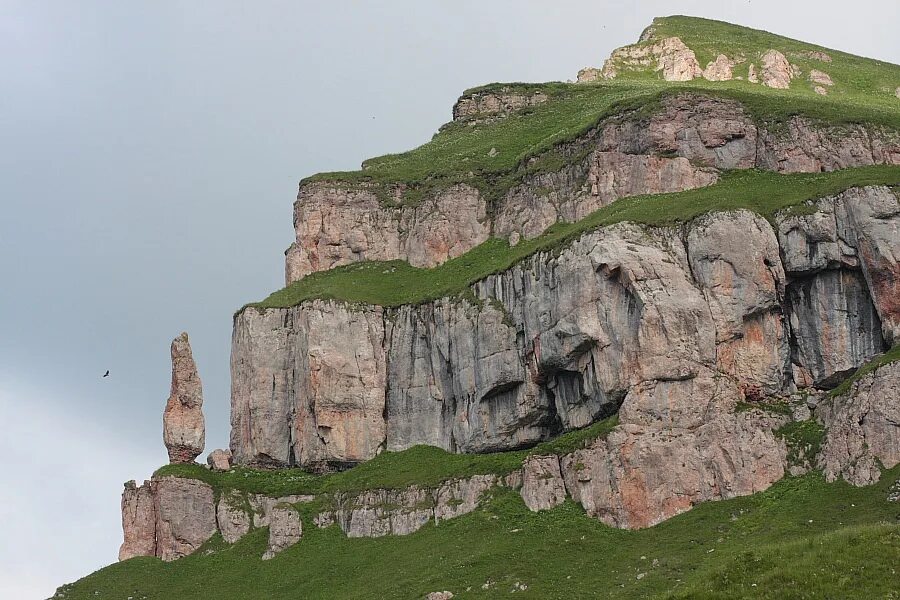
681,146
184,430
671,324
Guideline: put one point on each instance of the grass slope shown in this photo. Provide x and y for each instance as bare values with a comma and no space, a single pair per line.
393,283
803,538
492,156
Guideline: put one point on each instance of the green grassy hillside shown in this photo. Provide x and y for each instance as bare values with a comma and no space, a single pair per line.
395,282
864,92
803,538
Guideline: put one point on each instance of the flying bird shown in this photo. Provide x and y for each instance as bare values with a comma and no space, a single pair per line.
106,374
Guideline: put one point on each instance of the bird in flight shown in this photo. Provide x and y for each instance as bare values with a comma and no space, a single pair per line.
106,374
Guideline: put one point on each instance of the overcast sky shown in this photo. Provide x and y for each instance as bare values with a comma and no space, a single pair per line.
149,160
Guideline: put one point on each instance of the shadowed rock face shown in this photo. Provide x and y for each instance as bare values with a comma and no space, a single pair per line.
184,430
682,146
185,516
657,320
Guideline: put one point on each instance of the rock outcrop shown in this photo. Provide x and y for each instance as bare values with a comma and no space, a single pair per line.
285,530
487,105
863,428
669,56
185,516
138,521
683,145
184,430
543,487
652,319
775,70
219,460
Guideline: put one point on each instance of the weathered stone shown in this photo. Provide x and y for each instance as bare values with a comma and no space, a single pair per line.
232,518
543,487
589,75
639,476
820,90
445,595
184,430
669,56
461,496
776,71
263,506
285,530
819,55
185,516
376,513
752,74
337,225
863,428
719,69
480,105
138,521
219,460
820,77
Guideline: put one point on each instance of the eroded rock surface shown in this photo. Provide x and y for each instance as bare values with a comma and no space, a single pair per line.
138,522
185,516
184,430
543,487
663,315
219,460
863,428
285,530
482,105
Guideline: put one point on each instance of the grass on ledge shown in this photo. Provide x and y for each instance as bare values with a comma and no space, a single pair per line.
801,539
425,466
888,357
395,283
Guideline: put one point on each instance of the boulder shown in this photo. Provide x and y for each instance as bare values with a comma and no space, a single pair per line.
184,430
719,69
776,71
219,460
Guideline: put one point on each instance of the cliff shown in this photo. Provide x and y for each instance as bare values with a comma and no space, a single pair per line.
670,283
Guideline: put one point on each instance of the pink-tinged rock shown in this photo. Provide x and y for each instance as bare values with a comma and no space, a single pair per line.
639,476
481,106
285,530
138,521
719,69
184,430
543,487
776,71
185,516
219,460
863,428
668,56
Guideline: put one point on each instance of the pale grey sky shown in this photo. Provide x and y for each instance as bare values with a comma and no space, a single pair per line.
150,157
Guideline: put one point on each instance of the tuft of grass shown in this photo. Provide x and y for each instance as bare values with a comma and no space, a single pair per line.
882,359
801,539
578,439
803,439
394,283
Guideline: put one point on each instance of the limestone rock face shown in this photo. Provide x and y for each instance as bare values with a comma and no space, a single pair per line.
662,319
681,146
336,226
285,530
308,386
543,487
232,519
184,430
863,428
185,516
641,475
776,71
138,522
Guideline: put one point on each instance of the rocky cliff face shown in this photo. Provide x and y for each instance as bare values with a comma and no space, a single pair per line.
683,145
668,326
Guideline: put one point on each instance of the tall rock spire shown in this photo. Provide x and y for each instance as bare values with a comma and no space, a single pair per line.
184,431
